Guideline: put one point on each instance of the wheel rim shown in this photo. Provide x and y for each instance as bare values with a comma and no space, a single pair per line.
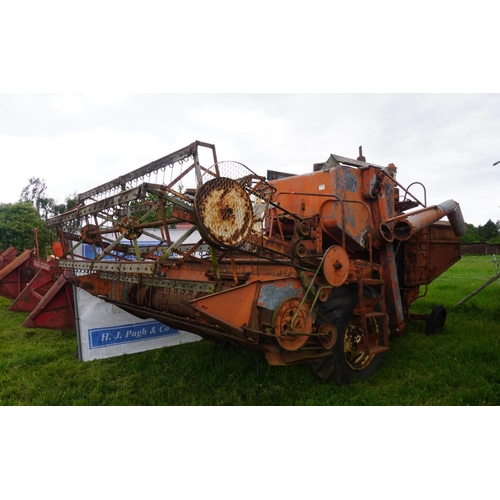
356,358
292,318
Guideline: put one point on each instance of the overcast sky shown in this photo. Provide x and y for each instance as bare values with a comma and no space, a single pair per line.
448,142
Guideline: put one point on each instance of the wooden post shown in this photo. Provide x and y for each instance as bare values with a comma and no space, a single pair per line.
482,287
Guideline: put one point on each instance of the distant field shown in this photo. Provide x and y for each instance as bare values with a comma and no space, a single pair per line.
458,366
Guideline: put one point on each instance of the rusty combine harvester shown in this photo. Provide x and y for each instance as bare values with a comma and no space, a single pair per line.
320,268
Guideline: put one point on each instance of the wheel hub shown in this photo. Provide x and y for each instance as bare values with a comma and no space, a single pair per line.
290,320
354,350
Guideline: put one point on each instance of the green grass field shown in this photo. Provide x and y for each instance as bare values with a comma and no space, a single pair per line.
458,366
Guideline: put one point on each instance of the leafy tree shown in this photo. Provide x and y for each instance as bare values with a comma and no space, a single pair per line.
34,192
488,231
45,207
69,203
17,222
471,235
496,239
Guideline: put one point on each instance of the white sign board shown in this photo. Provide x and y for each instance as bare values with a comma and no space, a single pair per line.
104,330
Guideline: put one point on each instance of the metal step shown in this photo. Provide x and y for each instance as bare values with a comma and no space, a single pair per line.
375,314
371,314
373,282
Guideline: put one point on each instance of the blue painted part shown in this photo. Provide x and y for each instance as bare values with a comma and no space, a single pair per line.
272,294
125,334
88,252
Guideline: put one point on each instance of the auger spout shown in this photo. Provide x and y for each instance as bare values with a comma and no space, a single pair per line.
404,227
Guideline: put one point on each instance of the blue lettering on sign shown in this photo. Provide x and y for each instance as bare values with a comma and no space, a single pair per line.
124,334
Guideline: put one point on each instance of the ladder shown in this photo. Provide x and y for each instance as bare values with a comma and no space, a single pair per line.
372,311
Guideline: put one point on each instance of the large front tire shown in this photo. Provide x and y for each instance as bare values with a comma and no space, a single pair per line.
348,360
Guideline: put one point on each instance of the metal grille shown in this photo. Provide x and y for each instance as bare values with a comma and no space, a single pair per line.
223,212
230,205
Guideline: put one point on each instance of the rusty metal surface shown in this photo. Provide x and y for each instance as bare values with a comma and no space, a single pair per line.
35,290
328,335
336,266
429,253
55,311
224,213
354,353
404,227
17,274
164,162
292,323
7,256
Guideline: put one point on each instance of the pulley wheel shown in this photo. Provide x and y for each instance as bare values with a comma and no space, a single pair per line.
300,250
127,228
223,212
328,335
287,329
336,266
90,234
305,228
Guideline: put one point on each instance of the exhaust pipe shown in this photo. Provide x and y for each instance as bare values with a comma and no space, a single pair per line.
404,227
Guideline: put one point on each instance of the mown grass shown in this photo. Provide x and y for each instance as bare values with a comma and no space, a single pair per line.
458,366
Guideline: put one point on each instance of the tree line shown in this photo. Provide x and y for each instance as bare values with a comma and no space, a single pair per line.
487,233
18,221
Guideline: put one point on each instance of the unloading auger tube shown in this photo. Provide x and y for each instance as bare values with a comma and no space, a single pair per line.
300,268
404,227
